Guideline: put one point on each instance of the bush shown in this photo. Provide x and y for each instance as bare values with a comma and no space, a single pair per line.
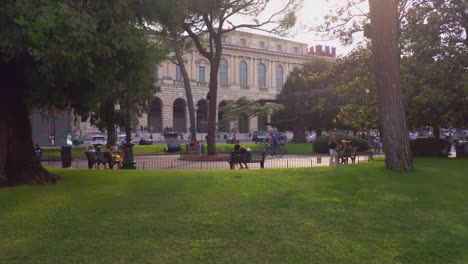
321,143
430,147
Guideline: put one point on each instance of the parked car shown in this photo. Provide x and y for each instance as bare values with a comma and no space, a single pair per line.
121,139
260,136
145,141
98,140
311,137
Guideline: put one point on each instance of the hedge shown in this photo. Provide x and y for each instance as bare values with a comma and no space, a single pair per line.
430,147
321,143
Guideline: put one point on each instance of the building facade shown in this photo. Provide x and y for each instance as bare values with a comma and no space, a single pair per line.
252,65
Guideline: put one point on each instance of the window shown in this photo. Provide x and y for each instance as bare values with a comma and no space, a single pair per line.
279,78
243,74
262,44
223,73
280,48
296,50
243,42
201,73
262,75
178,73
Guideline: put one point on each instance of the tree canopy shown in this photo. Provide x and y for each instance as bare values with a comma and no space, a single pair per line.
65,54
308,100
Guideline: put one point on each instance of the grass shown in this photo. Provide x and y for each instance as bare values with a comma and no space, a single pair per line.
347,214
158,149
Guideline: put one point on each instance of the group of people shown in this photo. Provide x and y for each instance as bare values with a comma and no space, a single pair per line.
115,153
338,151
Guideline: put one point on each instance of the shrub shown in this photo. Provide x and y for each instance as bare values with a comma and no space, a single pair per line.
430,147
321,143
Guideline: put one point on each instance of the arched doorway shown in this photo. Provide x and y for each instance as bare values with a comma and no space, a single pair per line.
202,116
155,116
178,116
243,124
223,125
262,122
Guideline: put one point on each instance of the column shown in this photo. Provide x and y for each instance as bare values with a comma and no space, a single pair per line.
167,111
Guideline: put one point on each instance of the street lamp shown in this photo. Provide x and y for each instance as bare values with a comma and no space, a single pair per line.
128,160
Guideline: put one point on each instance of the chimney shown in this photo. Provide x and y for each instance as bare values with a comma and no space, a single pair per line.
327,50
318,49
333,52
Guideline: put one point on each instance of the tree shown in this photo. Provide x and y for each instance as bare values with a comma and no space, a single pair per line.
356,91
435,51
385,30
167,18
206,22
54,53
249,108
307,101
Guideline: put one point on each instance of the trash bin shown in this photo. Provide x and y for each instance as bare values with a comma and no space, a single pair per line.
462,150
97,147
66,156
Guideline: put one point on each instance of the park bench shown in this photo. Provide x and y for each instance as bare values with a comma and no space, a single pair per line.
346,155
96,158
247,157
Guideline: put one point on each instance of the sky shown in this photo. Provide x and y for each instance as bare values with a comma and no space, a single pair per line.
310,15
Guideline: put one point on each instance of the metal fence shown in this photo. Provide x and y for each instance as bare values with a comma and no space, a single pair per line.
173,162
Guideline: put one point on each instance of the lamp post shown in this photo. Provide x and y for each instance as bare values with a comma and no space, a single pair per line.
128,160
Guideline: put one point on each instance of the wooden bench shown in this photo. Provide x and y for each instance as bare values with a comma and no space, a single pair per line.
247,157
343,157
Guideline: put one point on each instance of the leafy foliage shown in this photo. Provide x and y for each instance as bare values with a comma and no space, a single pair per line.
356,90
430,147
246,107
308,100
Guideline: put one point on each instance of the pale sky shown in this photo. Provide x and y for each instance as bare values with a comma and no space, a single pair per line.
311,14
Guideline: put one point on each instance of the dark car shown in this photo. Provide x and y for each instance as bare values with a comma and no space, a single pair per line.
145,141
260,136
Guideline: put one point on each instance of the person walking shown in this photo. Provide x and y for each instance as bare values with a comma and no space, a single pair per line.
332,150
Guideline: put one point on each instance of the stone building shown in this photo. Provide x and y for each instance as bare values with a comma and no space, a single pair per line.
252,65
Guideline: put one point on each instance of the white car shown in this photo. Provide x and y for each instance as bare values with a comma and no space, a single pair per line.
311,137
98,140
122,139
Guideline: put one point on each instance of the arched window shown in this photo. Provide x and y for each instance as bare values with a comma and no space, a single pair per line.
279,78
243,74
223,73
178,73
262,75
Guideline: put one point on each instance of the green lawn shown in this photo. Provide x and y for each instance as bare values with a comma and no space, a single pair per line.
346,214
158,149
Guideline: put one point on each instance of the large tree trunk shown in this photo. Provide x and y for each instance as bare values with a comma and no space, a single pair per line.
188,89
18,162
384,22
212,105
110,120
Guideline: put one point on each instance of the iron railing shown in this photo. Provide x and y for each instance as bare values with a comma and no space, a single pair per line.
173,162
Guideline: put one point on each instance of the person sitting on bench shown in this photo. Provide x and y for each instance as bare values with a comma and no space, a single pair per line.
238,148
